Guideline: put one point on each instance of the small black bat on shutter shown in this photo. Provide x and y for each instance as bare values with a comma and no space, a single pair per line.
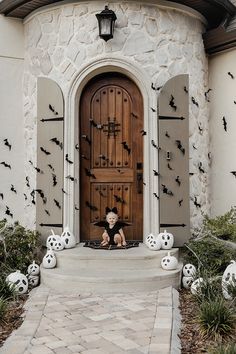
172,103
76,208
40,192
126,147
180,147
57,142
5,164
90,206
89,174
185,89
1,195
195,202
165,190
38,170
6,142
169,167
233,173
45,151
230,74
54,179
194,102
27,181
206,95
71,178
57,203
25,196
67,159
177,180
200,167
155,145
153,110
52,109
13,189
224,124
8,212
167,134
200,128
143,132
156,173
155,195
119,199
155,88
180,202
63,191
194,147
47,212
51,168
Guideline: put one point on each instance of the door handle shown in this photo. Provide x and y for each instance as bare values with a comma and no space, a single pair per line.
139,177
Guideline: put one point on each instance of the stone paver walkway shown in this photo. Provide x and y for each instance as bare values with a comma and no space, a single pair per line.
96,324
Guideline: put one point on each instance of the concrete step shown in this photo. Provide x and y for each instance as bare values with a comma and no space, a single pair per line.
133,258
82,269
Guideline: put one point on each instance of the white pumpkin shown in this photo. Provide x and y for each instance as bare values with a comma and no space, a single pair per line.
18,281
55,242
33,269
167,240
196,286
229,279
187,282
68,238
153,242
49,260
169,262
33,280
189,270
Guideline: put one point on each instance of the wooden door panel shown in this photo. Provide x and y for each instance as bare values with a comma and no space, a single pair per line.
111,154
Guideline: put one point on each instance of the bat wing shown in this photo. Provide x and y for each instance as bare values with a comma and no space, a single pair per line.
100,223
123,223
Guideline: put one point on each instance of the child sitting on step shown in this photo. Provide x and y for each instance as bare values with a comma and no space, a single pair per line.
113,234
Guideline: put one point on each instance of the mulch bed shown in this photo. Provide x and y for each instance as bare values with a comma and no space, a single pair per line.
13,318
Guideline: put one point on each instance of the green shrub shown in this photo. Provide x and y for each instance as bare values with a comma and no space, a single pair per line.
3,308
7,292
210,288
225,349
216,318
212,253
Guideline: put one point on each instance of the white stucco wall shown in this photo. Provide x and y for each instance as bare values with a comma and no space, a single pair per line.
11,117
159,42
223,143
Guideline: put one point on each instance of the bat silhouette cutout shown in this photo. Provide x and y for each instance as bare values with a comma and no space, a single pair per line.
180,147
153,110
25,196
172,103
90,206
155,195
71,178
31,162
224,124
52,109
194,101
84,157
2,196
47,212
200,168
119,199
38,170
165,190
94,124
230,74
6,142
126,147
76,208
180,202
13,189
134,115
200,128
177,180
32,193
27,181
54,179
57,142
169,167
155,88
234,102
33,201
206,94
89,174
156,173
8,212
67,159
194,147
143,132
63,191
191,173
40,192
167,134
185,89
51,168
86,138
155,145
57,203
45,151
144,183
103,157
195,202
5,164
233,173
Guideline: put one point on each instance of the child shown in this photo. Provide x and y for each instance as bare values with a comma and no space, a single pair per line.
113,234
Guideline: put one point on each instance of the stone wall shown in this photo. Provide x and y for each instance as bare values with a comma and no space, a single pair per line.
162,42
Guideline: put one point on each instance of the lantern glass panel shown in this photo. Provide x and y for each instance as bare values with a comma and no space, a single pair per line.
105,26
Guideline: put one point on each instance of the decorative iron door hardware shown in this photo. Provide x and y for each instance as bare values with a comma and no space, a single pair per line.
111,127
139,178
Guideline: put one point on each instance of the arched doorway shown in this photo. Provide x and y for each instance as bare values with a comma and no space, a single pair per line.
111,154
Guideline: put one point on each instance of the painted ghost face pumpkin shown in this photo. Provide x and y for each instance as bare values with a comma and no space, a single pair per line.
229,280
33,280
58,245
187,282
68,238
153,242
169,262
189,270
18,281
33,269
167,240
49,260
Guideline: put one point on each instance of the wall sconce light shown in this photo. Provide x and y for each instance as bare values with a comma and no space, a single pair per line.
106,21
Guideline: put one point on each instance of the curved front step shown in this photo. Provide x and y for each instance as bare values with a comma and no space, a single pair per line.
133,258
110,281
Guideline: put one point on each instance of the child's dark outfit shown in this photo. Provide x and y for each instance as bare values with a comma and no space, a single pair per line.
113,231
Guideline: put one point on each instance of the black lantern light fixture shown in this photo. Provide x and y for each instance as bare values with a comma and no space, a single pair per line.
106,22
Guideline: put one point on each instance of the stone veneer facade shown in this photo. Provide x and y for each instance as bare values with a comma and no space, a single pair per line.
159,40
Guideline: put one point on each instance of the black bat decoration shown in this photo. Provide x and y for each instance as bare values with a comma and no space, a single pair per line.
40,192
144,183
234,102
180,202
143,132
224,124
155,88
156,173
32,193
155,145
126,147
63,191
185,89
94,124
6,142
76,208
25,196
153,110
33,200
230,74
191,173
194,102
195,202
67,159
13,189
45,151
180,147
206,95
38,170
89,174
8,212
51,168
57,142
5,164
172,103
134,115
71,178
167,134
177,180
57,203
155,195
52,109
90,206
54,179
47,212
169,167
1,195
31,162
103,157
165,190
194,147
200,128
200,168
27,181
233,173
119,199
86,138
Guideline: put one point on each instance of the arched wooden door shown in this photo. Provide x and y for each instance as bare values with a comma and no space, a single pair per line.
111,154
